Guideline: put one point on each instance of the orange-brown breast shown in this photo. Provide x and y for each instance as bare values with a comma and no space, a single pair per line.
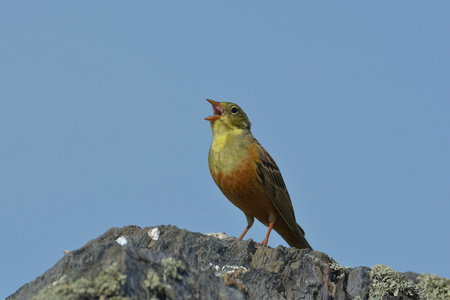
242,187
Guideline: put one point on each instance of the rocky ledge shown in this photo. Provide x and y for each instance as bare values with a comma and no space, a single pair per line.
165,262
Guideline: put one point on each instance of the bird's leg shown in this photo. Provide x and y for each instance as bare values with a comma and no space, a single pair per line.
272,218
266,240
245,231
250,221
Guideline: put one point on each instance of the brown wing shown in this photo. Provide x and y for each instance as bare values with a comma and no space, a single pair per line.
270,177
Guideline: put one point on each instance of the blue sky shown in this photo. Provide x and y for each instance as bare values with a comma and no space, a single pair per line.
101,123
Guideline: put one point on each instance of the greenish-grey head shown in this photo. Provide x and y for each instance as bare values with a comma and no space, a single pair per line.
229,115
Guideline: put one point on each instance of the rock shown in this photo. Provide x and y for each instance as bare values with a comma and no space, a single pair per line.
165,262
358,282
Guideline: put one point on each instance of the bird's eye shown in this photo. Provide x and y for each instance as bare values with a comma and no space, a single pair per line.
234,110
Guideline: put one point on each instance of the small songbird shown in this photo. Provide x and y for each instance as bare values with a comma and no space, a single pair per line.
248,176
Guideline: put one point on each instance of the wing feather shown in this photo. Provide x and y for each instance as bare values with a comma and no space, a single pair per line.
270,176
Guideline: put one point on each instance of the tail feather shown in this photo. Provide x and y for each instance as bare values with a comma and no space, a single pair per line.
295,239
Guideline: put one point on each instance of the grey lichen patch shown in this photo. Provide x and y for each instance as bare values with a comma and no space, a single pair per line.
158,285
231,277
338,270
220,270
434,287
153,283
219,235
110,284
387,281
173,268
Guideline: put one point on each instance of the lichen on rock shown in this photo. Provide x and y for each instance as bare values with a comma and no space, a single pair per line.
339,270
109,283
434,287
387,281
173,268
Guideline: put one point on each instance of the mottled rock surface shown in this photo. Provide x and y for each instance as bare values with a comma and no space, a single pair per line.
179,264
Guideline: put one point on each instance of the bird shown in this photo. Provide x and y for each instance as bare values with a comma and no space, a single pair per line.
249,177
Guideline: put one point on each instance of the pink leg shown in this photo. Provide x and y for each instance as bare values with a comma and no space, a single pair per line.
266,240
250,221
245,231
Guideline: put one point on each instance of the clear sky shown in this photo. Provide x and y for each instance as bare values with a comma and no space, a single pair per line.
102,107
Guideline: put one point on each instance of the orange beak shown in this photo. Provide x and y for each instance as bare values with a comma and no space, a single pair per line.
217,111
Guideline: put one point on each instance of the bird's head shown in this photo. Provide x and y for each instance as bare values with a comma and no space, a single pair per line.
228,116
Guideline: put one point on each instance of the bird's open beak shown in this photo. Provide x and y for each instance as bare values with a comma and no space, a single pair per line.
217,111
